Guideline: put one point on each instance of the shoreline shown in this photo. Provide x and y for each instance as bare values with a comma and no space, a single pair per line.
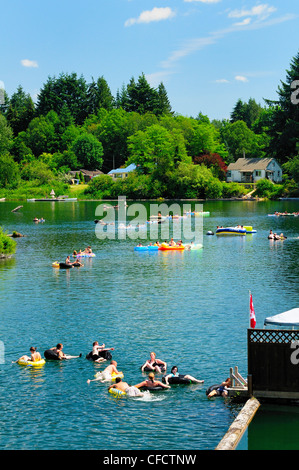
256,199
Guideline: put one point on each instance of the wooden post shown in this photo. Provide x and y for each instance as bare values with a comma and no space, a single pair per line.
239,426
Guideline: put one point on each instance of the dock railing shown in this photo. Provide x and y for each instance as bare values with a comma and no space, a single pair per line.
237,381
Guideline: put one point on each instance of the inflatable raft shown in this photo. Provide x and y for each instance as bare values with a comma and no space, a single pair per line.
31,363
203,213
85,255
147,248
231,231
249,229
166,247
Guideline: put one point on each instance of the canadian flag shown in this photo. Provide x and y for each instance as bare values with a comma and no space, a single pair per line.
252,312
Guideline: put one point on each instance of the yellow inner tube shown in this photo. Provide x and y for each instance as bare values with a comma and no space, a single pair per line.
113,375
31,363
115,392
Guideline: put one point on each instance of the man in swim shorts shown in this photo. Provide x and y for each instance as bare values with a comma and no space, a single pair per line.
99,353
106,374
132,391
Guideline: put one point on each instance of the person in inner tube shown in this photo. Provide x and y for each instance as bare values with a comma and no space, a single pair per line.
151,383
174,373
222,390
154,364
98,352
35,356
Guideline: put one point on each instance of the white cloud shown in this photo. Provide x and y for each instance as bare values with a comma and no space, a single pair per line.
241,78
29,63
245,22
260,11
193,45
147,16
221,80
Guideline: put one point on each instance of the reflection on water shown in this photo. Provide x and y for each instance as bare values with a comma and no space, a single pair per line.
191,308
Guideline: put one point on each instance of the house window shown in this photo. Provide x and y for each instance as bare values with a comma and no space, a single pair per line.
258,173
228,174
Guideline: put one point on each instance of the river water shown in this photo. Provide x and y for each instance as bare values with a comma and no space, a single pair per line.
191,308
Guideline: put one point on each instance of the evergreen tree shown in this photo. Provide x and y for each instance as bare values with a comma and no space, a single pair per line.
66,90
164,106
20,111
284,126
238,112
247,112
142,98
99,96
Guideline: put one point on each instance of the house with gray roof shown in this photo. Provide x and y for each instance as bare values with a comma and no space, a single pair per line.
122,172
250,170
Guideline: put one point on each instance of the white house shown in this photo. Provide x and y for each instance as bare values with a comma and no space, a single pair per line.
250,170
122,172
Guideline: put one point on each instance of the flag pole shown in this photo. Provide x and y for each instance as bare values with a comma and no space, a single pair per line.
249,306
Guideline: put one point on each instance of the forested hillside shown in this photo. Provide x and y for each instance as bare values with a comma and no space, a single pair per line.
75,124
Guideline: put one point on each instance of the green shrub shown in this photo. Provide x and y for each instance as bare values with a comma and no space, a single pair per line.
8,246
265,188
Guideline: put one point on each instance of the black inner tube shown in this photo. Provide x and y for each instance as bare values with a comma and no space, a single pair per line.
211,388
50,354
65,266
152,389
177,380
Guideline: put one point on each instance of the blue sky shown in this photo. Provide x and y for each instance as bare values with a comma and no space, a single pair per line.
208,53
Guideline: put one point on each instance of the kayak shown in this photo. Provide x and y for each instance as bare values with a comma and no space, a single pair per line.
31,363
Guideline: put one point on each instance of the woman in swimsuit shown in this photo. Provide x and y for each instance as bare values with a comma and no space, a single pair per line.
154,364
174,373
35,356
151,383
